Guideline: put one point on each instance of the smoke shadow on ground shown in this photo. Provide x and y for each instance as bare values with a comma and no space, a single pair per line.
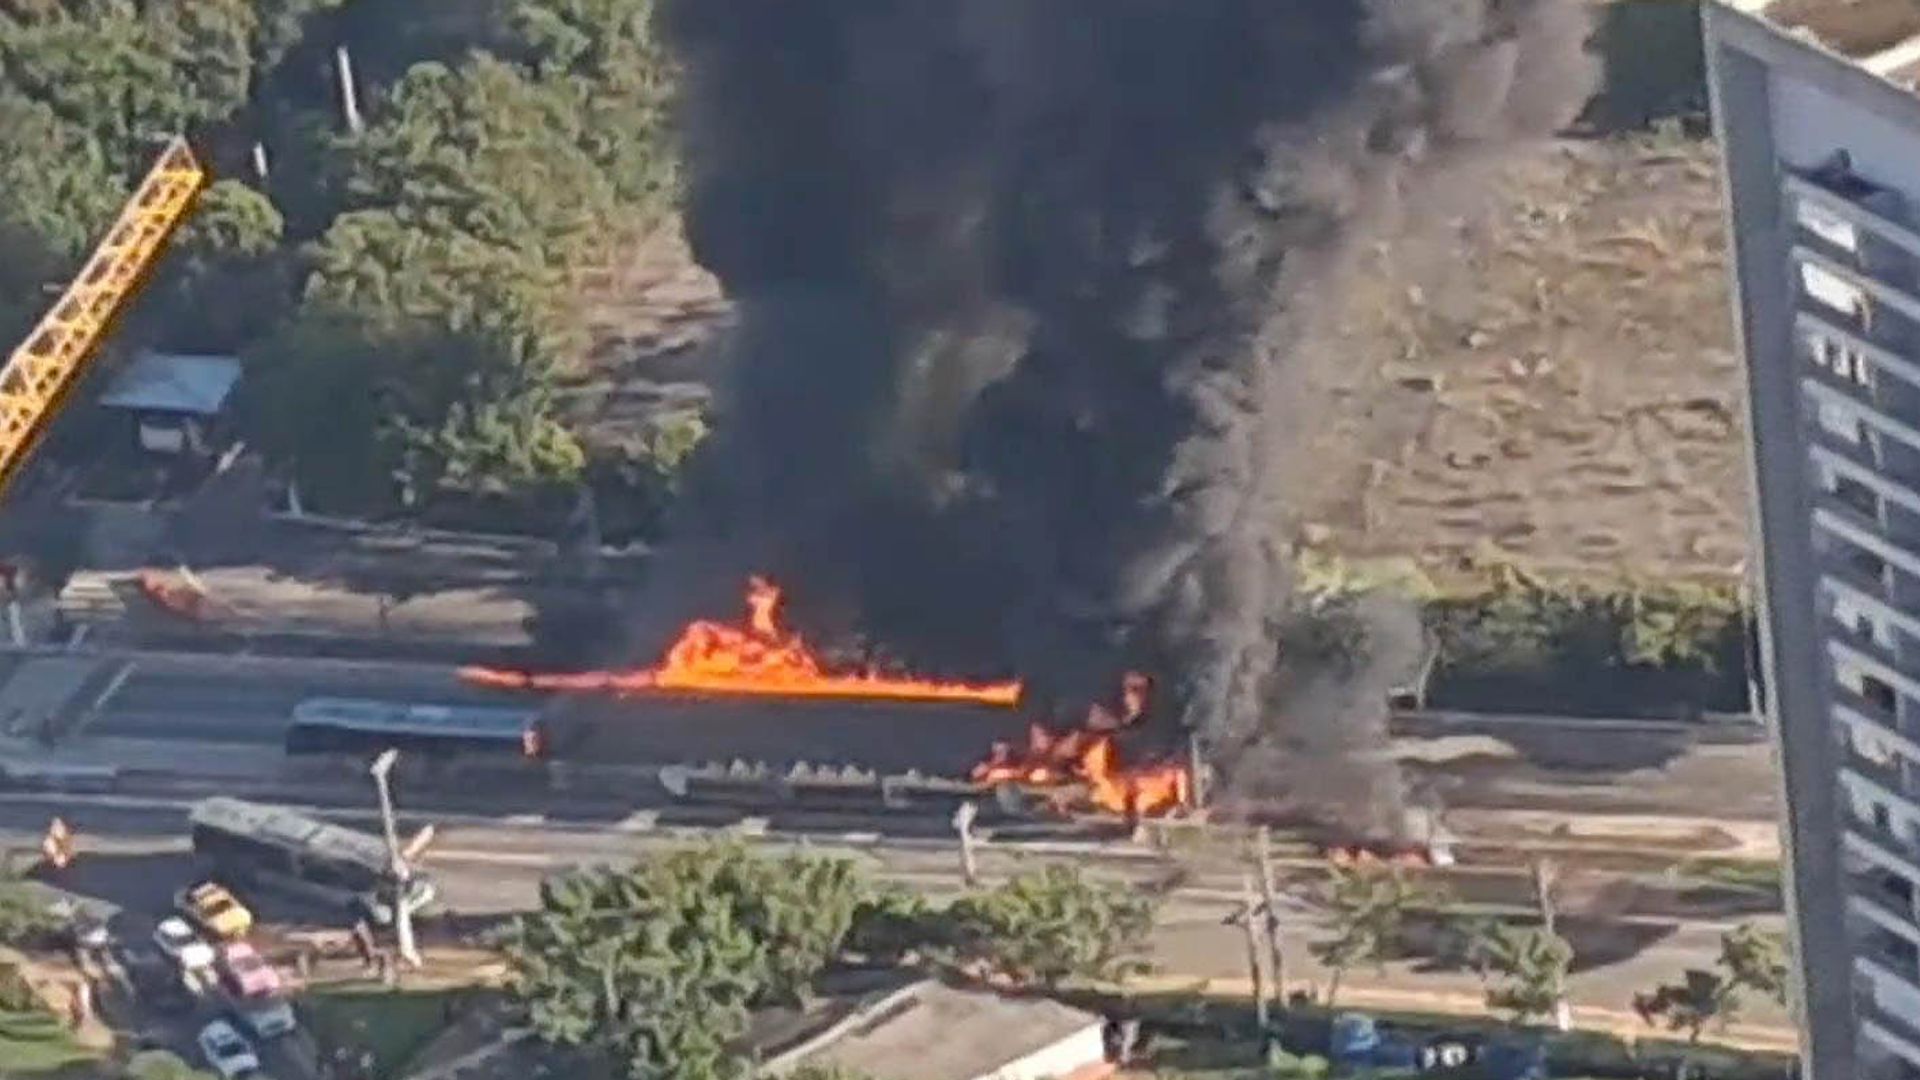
1600,753
1438,944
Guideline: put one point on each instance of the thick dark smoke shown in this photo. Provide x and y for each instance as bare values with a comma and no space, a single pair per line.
1026,294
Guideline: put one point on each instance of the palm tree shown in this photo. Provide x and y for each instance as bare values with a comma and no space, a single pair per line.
1530,966
1366,912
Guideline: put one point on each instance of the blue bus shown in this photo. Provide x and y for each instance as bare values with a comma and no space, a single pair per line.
353,725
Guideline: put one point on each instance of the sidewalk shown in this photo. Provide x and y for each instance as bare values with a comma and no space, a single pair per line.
1361,994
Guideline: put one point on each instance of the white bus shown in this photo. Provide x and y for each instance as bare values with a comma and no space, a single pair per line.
276,847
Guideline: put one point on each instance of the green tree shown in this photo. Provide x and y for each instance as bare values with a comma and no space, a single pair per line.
1525,967
1701,999
892,926
1755,960
655,966
613,68
482,150
24,919
1365,916
130,74
161,1065
314,396
1051,925
223,283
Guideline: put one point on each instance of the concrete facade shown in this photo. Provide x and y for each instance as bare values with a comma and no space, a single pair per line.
1824,200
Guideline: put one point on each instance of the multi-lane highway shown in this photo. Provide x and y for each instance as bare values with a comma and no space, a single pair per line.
224,711
217,722
133,853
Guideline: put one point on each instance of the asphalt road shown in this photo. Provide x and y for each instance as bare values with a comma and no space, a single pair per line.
203,700
135,857
164,707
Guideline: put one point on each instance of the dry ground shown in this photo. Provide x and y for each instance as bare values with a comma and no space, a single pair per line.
1555,386
1552,383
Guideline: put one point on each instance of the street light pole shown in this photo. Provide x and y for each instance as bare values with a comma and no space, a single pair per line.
403,874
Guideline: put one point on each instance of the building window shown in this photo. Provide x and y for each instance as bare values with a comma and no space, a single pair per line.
1841,359
1828,226
1845,425
1880,694
1856,495
1835,293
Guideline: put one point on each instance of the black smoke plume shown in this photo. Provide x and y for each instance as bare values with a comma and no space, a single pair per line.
1025,292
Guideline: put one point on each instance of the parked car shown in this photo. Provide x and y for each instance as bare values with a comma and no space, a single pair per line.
181,945
157,981
245,973
89,933
266,1017
215,910
230,1054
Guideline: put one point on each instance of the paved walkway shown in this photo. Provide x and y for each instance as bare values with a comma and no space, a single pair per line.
1360,993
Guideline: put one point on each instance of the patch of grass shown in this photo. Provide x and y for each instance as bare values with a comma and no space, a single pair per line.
36,1044
393,1025
1747,874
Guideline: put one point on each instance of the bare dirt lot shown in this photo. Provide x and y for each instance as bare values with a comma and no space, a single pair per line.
1555,386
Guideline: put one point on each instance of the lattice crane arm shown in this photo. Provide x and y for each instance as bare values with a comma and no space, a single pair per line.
39,374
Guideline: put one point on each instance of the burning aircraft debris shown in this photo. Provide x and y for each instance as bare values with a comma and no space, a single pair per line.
762,658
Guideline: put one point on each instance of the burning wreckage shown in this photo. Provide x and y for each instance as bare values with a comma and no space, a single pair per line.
1028,363
1084,772
1079,769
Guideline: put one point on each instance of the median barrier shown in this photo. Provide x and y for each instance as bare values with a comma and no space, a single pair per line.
60,777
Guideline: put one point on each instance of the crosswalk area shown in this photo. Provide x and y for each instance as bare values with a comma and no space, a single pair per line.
47,698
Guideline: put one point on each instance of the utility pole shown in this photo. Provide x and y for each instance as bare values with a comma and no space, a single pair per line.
963,824
402,873
1270,904
1546,875
349,96
1197,768
1249,911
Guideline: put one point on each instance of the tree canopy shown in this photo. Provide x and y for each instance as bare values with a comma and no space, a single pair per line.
654,967
421,259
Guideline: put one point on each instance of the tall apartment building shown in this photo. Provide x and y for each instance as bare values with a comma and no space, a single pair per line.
1823,171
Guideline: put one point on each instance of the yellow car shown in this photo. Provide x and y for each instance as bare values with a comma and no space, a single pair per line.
216,911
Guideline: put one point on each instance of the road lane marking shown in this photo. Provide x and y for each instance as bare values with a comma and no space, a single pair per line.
540,859
638,822
106,695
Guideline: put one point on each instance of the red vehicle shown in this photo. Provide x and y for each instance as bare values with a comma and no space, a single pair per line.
245,973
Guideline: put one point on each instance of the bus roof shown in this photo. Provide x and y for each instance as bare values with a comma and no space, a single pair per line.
288,829
389,717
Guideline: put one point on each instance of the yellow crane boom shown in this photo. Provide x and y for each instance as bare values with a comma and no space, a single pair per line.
45,367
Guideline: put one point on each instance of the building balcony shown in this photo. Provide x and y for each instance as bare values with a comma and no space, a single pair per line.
1864,483
1879,844
1875,413
1883,293
1895,668
1853,709
1899,1037
1884,961
1857,219
1885,363
1843,520
1881,905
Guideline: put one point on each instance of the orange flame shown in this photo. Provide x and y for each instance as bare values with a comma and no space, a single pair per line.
761,658
1088,757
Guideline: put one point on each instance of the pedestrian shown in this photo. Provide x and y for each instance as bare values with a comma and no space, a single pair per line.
363,943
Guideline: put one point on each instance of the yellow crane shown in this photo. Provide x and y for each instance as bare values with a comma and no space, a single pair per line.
40,373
